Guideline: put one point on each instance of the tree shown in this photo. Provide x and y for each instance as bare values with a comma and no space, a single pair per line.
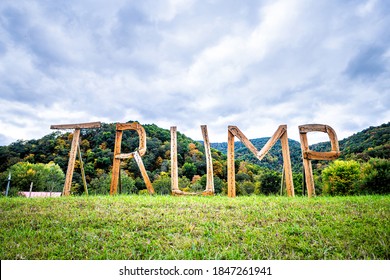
376,177
270,182
45,177
189,170
341,178
162,185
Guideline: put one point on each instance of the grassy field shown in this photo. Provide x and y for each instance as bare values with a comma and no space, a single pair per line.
209,228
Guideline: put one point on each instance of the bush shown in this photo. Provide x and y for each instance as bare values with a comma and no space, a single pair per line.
245,188
101,185
376,177
341,178
270,182
162,185
45,177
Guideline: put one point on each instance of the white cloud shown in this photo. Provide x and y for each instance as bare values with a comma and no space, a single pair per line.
254,64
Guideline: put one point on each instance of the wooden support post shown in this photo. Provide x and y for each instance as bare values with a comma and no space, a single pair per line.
120,127
287,164
209,162
308,155
174,168
144,174
72,159
82,169
116,164
230,166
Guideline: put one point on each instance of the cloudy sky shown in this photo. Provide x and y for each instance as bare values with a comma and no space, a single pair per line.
254,64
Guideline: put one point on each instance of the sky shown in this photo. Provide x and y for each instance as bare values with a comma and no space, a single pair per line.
253,64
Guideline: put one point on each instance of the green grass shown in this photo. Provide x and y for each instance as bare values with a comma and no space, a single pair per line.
209,228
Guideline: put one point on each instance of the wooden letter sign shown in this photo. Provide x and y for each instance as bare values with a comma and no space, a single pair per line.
120,127
308,154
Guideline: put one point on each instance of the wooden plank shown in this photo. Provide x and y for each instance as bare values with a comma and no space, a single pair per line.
82,169
272,141
209,162
71,162
116,163
305,128
321,155
76,125
307,164
238,133
287,164
174,168
144,174
230,166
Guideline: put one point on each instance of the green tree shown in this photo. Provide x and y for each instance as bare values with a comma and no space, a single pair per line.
341,178
162,185
270,182
189,170
45,177
376,177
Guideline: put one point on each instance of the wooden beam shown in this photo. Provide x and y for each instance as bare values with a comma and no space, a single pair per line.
76,125
209,162
282,129
82,169
116,163
144,174
174,168
287,164
238,133
230,166
71,162
307,165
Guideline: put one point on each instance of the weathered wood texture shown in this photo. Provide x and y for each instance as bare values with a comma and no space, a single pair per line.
309,155
287,164
76,125
82,169
120,127
174,168
71,162
209,162
144,174
280,133
231,174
